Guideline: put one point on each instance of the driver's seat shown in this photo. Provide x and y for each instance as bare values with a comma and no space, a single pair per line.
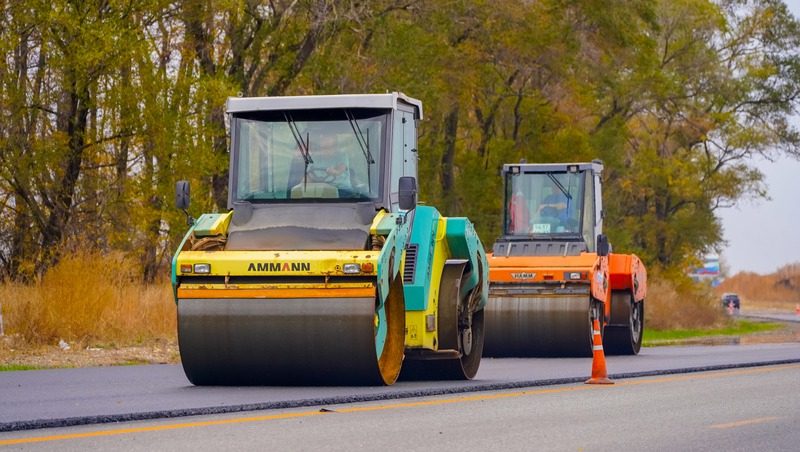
314,190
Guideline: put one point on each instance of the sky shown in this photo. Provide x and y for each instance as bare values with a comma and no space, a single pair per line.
764,235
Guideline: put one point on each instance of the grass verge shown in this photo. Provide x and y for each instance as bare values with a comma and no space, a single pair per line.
677,336
16,367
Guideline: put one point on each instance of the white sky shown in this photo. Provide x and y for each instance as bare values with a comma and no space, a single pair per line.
764,235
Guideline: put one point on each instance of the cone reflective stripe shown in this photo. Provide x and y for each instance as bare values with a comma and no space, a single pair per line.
599,373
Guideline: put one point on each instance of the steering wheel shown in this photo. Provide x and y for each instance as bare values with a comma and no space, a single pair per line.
321,175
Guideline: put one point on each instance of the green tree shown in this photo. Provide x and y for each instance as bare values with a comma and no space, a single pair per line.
60,51
725,85
105,104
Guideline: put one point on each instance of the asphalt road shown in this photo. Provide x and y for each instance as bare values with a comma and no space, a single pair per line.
64,397
742,409
789,317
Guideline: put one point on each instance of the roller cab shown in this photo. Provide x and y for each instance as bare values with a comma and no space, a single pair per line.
305,279
551,272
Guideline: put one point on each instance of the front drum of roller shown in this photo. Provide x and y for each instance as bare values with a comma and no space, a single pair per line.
312,341
542,325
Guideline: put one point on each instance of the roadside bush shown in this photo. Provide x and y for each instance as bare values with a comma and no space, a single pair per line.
89,298
681,305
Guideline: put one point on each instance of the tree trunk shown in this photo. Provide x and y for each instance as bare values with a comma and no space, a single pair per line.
197,22
19,242
76,117
150,255
448,159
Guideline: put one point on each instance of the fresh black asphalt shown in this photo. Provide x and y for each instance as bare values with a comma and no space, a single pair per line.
68,397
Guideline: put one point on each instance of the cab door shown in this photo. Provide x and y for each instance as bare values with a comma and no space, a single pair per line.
404,151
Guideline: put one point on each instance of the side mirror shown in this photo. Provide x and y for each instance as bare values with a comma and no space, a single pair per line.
182,199
603,247
407,188
182,195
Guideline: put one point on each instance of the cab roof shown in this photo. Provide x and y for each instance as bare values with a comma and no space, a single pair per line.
595,165
387,101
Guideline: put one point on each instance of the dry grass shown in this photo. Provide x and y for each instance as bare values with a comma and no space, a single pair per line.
684,305
91,300
97,304
776,291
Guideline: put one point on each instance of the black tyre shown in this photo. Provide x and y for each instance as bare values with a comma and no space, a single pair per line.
623,335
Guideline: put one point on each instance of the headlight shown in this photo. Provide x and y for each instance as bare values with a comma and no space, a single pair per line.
351,269
202,268
572,276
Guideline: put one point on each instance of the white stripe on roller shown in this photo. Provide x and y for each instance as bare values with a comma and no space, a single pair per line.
597,347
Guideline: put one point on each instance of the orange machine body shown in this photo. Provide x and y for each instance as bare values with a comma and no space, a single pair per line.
585,269
627,272
617,272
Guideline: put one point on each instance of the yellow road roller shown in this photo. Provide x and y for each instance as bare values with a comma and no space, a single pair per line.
325,270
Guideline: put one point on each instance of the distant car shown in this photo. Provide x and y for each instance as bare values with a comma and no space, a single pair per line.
730,300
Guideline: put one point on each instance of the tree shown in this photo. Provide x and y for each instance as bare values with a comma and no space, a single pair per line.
60,51
727,81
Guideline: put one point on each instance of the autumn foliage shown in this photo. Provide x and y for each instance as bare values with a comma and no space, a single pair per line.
105,104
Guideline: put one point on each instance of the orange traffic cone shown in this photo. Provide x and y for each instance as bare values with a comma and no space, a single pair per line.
797,309
599,373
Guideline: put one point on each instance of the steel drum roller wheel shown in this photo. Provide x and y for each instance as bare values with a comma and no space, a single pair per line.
391,357
471,360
